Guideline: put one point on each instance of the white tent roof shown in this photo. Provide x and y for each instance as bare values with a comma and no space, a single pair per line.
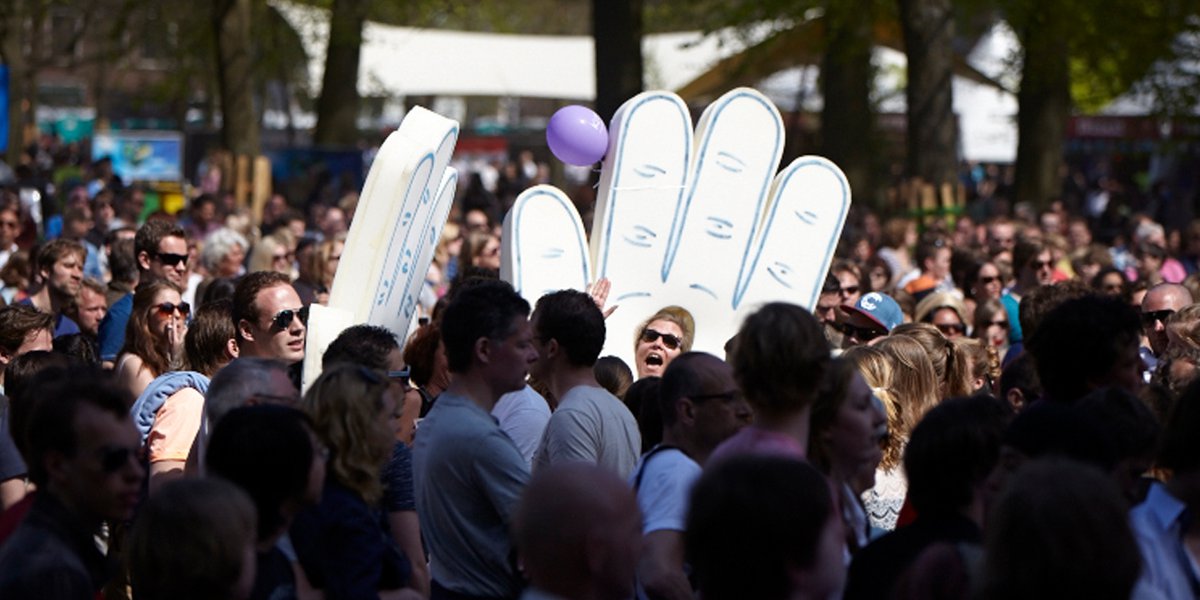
407,61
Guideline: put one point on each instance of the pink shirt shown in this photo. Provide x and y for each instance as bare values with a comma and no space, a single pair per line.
755,440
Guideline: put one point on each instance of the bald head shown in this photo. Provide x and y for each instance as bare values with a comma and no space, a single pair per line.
578,531
1160,302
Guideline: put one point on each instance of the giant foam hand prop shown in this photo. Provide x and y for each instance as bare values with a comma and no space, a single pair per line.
701,220
400,216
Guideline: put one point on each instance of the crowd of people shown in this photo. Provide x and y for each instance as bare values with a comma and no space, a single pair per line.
992,408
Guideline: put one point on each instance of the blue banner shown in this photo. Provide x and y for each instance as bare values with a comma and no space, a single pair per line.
3,108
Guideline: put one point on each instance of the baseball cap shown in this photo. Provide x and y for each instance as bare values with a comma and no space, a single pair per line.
880,308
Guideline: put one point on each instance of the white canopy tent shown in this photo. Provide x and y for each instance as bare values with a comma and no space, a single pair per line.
406,61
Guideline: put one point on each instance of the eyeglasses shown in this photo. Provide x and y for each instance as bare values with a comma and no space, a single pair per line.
1000,324
112,458
166,309
1150,318
862,334
400,376
285,257
951,328
283,318
670,341
988,280
170,259
729,396
849,290
1038,265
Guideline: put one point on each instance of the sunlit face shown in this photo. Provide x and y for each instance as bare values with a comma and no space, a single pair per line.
162,321
653,351
90,310
850,289
489,256
65,277
230,265
264,337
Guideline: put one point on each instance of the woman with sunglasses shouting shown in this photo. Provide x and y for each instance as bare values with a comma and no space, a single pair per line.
664,336
153,337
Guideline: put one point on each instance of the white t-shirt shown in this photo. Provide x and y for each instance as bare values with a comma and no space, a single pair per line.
523,415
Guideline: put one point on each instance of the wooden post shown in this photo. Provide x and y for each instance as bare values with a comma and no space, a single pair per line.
261,188
241,182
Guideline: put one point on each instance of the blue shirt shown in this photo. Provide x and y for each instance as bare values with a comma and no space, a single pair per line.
112,328
1167,569
63,325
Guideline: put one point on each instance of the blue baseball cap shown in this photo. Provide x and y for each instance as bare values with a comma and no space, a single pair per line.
880,308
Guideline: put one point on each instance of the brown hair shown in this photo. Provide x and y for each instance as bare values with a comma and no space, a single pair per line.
139,340
207,341
18,321
914,382
779,357
951,365
245,295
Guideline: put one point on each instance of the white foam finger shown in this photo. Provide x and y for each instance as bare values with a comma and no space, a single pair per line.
803,221
738,144
642,184
544,247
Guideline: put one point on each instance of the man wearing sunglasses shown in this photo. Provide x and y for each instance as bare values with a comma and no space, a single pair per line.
83,458
873,317
162,253
1160,302
269,317
590,424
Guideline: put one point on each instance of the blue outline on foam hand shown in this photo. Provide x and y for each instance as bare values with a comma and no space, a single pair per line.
518,230
681,215
784,181
614,194
415,204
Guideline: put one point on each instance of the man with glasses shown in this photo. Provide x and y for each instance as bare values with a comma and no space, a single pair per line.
269,317
161,250
873,317
590,424
1160,302
83,457
701,407
1035,267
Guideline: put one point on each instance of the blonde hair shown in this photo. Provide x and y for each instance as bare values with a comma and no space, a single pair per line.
677,315
344,403
984,360
950,363
914,382
876,369
262,256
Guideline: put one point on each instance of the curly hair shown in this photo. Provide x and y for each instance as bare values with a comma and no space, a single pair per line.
139,340
344,403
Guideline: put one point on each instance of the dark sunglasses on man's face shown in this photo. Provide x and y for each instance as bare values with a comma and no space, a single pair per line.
670,341
1149,318
112,458
862,334
170,259
283,318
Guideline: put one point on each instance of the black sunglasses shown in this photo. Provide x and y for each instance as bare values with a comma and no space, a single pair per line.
670,341
951,328
112,458
1149,318
986,280
166,309
283,318
170,259
849,290
862,334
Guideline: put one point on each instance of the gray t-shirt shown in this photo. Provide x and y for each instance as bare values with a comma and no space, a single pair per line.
468,477
591,425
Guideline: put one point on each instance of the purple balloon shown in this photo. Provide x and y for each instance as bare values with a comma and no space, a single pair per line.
577,135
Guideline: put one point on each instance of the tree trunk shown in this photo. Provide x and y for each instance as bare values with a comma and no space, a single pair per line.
932,129
847,116
617,32
337,108
12,55
235,76
1045,105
